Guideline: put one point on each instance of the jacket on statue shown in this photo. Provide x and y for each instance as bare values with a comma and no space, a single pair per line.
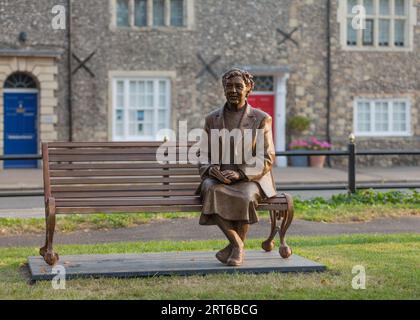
257,125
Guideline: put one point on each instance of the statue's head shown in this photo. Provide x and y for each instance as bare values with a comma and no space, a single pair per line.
238,84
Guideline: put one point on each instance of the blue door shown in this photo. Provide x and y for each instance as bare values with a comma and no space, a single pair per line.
20,128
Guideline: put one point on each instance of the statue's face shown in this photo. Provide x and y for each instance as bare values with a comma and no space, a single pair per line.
236,91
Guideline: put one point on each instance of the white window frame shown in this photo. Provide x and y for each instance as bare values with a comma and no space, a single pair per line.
411,22
389,133
126,80
188,16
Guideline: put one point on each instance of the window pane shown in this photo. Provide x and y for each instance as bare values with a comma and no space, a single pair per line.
351,34
381,117
384,26
140,115
119,130
162,94
400,7
162,116
119,115
264,83
134,101
120,94
363,117
369,6
158,12
177,12
122,13
350,5
140,13
384,7
399,117
148,129
120,101
120,87
119,122
368,33
399,33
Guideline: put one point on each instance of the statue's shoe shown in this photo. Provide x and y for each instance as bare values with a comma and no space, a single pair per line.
223,255
236,258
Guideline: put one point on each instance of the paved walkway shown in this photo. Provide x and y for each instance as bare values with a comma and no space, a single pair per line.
31,179
189,229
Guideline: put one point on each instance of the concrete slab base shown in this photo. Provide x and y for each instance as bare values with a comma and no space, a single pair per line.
166,264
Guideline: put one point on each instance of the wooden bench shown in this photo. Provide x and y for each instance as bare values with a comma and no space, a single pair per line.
125,177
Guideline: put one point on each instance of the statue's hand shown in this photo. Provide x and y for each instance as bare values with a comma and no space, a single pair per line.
231,175
214,172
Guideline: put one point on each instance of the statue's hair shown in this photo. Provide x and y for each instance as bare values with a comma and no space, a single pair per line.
246,76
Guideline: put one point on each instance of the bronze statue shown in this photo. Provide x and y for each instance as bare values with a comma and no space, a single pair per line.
231,191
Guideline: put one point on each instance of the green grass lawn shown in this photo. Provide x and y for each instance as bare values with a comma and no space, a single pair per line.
392,265
363,206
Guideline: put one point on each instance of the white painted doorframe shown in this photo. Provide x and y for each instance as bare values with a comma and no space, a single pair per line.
280,114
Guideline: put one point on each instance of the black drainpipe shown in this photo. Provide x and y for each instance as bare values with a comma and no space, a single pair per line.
328,133
69,70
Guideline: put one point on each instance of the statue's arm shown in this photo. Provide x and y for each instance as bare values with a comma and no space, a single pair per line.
204,152
253,172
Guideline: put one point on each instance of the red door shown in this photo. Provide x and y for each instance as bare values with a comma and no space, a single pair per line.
266,103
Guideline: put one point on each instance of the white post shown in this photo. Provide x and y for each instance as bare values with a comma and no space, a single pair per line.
281,92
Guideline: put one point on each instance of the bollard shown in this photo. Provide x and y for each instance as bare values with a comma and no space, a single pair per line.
352,164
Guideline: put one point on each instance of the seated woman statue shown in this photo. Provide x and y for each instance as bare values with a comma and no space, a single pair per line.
231,188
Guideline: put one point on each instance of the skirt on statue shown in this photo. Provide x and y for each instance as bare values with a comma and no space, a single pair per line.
236,202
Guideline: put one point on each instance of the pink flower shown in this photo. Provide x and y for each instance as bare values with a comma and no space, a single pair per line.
299,145
316,144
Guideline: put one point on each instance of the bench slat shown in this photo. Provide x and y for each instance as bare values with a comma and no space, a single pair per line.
99,202
59,181
151,209
129,172
113,144
276,207
125,209
86,151
119,165
130,187
116,194
108,157
126,202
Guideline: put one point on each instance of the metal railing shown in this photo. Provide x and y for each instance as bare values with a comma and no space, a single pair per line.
351,153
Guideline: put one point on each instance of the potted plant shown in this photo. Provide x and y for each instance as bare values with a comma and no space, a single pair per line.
317,145
298,124
299,146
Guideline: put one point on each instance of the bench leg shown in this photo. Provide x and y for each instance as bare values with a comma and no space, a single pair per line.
285,251
268,245
47,250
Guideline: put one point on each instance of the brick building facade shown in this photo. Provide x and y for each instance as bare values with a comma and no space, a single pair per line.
147,68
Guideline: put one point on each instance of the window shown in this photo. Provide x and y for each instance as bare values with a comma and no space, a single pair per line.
388,25
151,13
140,108
177,12
122,13
20,80
264,83
140,13
382,118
